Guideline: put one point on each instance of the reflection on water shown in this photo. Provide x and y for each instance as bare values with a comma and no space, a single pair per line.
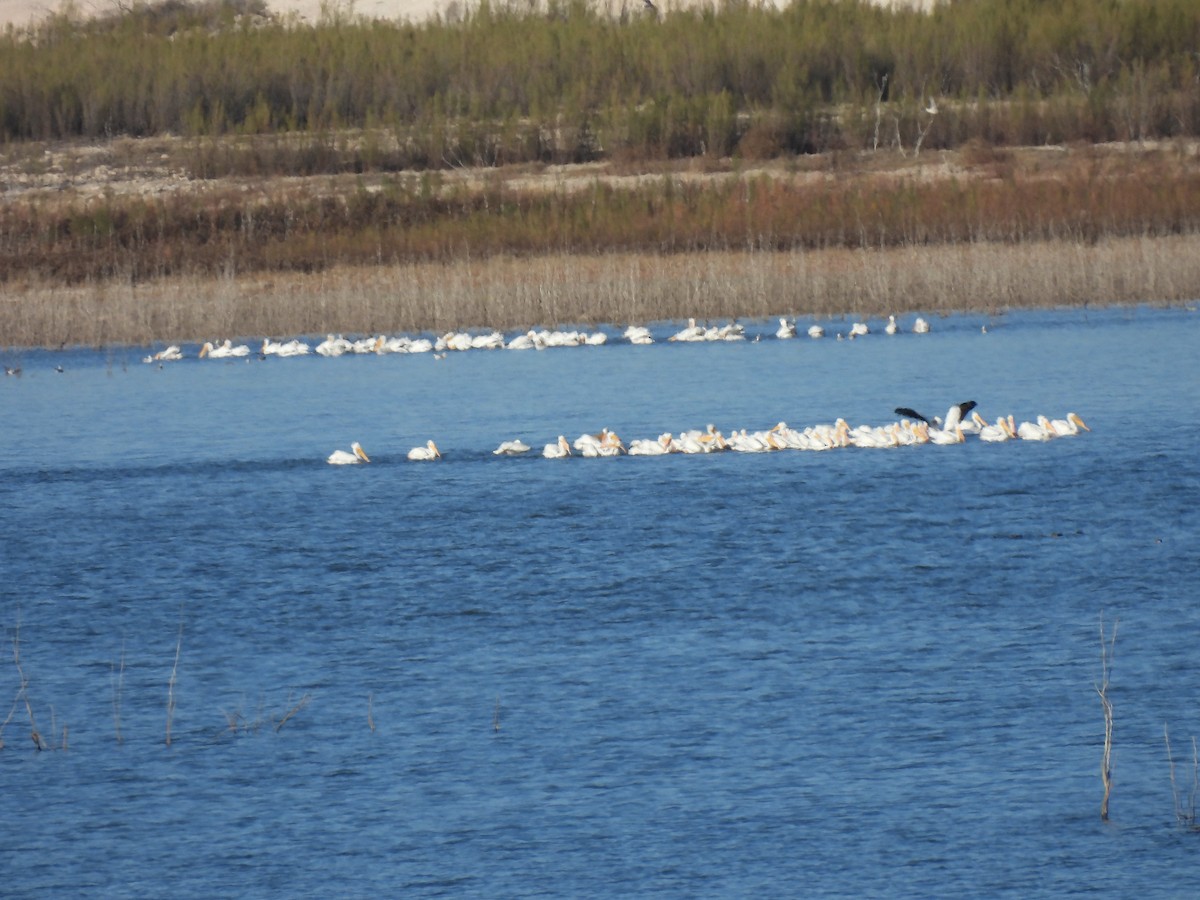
845,673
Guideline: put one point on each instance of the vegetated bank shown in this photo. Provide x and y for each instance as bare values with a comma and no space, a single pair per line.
186,171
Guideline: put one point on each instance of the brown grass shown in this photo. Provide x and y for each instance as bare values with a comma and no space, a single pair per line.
509,293
120,258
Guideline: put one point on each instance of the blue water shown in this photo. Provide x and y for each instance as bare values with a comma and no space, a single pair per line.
853,673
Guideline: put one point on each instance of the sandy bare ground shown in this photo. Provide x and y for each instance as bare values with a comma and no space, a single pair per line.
23,12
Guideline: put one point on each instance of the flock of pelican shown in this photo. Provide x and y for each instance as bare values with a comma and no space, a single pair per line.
960,422
534,339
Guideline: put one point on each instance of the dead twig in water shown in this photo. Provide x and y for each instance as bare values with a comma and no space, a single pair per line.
1106,656
291,712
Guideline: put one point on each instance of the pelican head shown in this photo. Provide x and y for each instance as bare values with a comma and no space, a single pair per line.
206,349
360,452
434,450
1078,422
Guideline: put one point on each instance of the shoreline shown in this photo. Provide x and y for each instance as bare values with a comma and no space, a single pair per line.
618,289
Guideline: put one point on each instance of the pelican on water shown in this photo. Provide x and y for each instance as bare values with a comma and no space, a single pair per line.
511,448
786,329
891,327
920,326
429,451
1068,426
223,351
356,454
816,331
560,449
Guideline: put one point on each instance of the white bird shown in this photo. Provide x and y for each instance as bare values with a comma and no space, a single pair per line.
511,448
816,331
786,329
693,332
521,342
932,108
1068,426
920,326
344,458
858,329
558,450
646,447
1036,431
638,334
334,346
429,451
224,351
891,327
996,433
170,354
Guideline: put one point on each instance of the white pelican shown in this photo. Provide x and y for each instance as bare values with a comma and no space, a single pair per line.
333,346
1068,426
816,331
277,348
558,450
224,351
511,448
693,332
344,458
170,354
638,334
520,342
596,339
858,329
645,447
946,435
996,433
920,326
891,327
429,451
786,329
1036,431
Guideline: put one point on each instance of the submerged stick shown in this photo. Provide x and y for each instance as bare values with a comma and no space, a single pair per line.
171,684
117,686
1106,655
295,709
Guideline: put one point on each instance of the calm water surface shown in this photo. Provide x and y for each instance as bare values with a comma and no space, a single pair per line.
855,673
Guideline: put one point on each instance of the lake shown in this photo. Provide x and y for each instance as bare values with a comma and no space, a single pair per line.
848,673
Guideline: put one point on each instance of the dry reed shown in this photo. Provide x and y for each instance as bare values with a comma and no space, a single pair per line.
618,288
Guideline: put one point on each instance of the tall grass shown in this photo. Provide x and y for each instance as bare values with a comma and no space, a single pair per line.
516,293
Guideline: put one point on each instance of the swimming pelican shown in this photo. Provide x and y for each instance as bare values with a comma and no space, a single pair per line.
891,327
858,329
511,448
170,354
1068,426
558,450
816,331
693,332
344,458
521,342
596,339
786,329
920,326
333,346
952,435
638,334
224,351
429,451
994,433
1036,431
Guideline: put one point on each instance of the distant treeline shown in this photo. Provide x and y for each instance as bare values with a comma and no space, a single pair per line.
573,80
